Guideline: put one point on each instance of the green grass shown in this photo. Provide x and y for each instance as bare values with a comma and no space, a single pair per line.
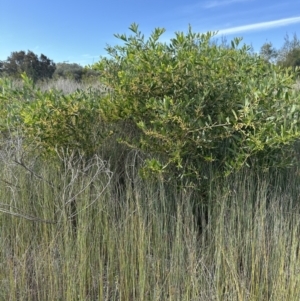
143,243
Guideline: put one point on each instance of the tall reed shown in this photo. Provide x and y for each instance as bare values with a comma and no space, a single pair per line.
67,234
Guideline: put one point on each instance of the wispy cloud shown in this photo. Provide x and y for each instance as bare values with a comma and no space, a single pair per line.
200,6
260,26
215,3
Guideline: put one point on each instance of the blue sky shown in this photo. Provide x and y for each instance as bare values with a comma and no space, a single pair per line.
78,31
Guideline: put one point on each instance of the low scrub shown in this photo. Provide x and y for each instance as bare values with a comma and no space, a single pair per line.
50,121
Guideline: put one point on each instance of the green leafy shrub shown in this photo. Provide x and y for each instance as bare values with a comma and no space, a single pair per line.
69,71
194,101
53,122
12,96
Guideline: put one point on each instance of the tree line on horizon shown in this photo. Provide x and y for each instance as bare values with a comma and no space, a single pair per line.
287,56
42,68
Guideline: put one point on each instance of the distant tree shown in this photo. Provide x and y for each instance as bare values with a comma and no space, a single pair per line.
35,67
47,67
289,54
268,52
70,71
89,75
222,42
292,58
225,43
1,67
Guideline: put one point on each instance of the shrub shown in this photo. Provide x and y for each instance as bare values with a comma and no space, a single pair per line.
68,71
51,121
12,95
194,101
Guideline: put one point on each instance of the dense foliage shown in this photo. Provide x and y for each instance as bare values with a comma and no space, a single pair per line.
183,104
37,68
51,121
70,71
194,101
75,72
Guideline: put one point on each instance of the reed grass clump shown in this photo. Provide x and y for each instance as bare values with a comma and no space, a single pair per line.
67,234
